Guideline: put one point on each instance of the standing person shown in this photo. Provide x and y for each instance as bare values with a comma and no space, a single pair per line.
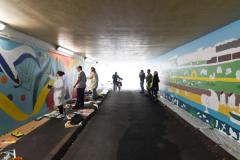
115,78
93,82
149,80
142,78
58,94
81,85
155,84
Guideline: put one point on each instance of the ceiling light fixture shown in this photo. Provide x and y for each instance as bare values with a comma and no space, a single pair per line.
65,51
2,26
89,60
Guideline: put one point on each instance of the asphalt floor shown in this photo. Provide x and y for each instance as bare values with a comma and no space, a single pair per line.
131,126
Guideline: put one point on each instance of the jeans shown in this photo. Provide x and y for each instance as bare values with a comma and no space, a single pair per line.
94,94
142,85
114,86
80,98
155,92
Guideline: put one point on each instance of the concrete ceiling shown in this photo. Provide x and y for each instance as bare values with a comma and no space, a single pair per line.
118,29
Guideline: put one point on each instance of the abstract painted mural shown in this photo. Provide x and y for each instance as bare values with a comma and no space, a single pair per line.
203,78
24,76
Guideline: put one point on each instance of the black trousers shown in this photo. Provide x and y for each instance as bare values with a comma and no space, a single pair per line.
155,91
60,108
80,98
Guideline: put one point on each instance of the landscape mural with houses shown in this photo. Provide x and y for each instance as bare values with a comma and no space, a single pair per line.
203,78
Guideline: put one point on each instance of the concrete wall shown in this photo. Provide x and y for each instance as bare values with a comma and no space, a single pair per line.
203,78
29,61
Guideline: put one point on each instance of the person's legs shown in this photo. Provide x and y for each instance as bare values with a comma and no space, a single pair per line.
149,88
149,92
114,86
60,108
61,115
78,99
94,94
81,98
155,92
142,85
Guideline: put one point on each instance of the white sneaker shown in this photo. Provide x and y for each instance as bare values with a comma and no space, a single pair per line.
96,105
60,116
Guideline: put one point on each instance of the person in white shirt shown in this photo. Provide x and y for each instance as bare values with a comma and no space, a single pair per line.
58,94
93,82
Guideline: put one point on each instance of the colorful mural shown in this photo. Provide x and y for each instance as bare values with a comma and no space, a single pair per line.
203,78
24,71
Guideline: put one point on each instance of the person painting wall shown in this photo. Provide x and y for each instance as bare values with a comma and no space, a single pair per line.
24,70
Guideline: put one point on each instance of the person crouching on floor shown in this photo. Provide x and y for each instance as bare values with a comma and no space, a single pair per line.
58,94
93,82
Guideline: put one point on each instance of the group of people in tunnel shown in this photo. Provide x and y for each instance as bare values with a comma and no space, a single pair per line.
80,85
152,86
152,83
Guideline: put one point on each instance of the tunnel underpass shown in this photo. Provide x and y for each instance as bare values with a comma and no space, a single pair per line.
119,79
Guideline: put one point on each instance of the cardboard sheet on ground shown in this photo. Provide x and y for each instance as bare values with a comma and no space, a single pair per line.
8,155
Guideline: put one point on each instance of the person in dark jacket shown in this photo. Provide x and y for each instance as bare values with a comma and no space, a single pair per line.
142,78
116,79
149,80
155,84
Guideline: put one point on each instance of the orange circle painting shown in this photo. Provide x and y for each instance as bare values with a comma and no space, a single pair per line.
22,97
4,79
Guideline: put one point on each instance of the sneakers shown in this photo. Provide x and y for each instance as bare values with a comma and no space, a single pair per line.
17,134
60,116
52,114
69,125
95,105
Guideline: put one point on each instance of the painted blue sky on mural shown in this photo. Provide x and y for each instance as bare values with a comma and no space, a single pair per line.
227,32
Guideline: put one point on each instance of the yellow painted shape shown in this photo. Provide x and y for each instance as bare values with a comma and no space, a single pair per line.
208,79
224,109
41,98
192,96
194,74
13,110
